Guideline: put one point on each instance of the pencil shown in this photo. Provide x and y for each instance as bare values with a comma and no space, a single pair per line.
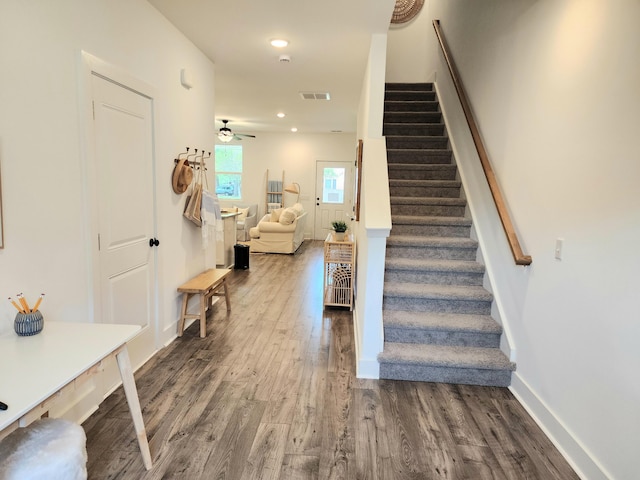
18,307
24,303
35,307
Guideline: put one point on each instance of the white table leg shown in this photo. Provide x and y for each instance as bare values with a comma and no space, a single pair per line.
131,392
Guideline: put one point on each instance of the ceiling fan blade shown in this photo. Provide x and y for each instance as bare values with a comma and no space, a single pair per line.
245,135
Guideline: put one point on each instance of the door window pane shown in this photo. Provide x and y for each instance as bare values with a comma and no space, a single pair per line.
333,185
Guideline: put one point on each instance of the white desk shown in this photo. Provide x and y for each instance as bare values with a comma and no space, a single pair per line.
35,370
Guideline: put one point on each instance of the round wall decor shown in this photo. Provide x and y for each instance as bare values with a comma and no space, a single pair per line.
405,10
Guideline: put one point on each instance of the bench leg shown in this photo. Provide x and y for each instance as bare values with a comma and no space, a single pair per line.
203,315
226,294
183,312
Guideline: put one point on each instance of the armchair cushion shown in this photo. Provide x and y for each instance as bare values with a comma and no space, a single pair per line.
275,214
287,217
243,213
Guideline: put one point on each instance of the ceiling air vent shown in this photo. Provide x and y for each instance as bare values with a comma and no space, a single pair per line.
315,95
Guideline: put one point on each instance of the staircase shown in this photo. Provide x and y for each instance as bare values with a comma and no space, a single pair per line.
436,313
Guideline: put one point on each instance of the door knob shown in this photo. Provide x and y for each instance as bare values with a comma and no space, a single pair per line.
154,242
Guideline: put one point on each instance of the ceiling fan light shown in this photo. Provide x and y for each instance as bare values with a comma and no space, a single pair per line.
225,136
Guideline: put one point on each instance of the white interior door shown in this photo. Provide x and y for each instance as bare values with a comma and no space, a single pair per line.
334,195
123,136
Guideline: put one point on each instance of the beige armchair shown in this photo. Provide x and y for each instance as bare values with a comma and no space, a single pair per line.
281,231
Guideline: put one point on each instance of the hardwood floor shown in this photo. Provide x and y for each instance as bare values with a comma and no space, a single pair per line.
271,393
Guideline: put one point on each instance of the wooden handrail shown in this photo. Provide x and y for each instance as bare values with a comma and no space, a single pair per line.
516,250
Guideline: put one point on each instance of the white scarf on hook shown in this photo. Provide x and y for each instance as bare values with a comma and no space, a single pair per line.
211,218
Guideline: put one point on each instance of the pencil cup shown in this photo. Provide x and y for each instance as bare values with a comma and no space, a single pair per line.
27,324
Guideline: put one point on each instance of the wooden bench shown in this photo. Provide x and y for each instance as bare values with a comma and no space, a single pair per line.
207,285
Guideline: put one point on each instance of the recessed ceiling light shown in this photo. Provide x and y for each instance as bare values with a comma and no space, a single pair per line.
294,129
279,42
280,115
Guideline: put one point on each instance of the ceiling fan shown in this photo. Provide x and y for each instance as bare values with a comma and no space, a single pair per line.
226,135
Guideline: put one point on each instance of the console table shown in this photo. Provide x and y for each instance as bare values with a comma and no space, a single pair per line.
224,248
36,370
339,268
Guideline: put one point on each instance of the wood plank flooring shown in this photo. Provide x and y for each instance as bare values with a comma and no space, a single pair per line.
271,393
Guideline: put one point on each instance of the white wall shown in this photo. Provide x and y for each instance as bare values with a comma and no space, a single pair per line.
411,54
554,85
41,136
296,154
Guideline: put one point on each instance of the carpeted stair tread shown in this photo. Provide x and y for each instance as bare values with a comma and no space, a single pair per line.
423,151
414,241
437,292
422,166
421,171
441,322
441,201
411,106
431,220
412,117
424,183
445,356
414,137
409,86
433,265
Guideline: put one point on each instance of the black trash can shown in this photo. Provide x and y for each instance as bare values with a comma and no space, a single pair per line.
241,253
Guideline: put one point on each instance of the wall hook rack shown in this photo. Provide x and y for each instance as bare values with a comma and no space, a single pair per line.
193,159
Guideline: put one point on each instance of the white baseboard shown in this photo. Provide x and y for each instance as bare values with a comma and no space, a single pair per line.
365,367
569,446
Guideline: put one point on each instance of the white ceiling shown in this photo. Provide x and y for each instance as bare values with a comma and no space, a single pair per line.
328,46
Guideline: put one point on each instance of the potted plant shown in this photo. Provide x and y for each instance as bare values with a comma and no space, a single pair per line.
339,227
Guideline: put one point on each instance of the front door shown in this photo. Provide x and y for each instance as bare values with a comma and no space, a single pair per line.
334,195
123,133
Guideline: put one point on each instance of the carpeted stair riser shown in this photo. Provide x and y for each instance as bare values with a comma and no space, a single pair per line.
409,87
433,272
465,376
412,304
419,156
456,299
410,106
442,329
431,230
424,188
412,117
430,209
440,253
416,129
433,277
409,96
439,363
430,337
406,171
398,248
439,322
417,142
